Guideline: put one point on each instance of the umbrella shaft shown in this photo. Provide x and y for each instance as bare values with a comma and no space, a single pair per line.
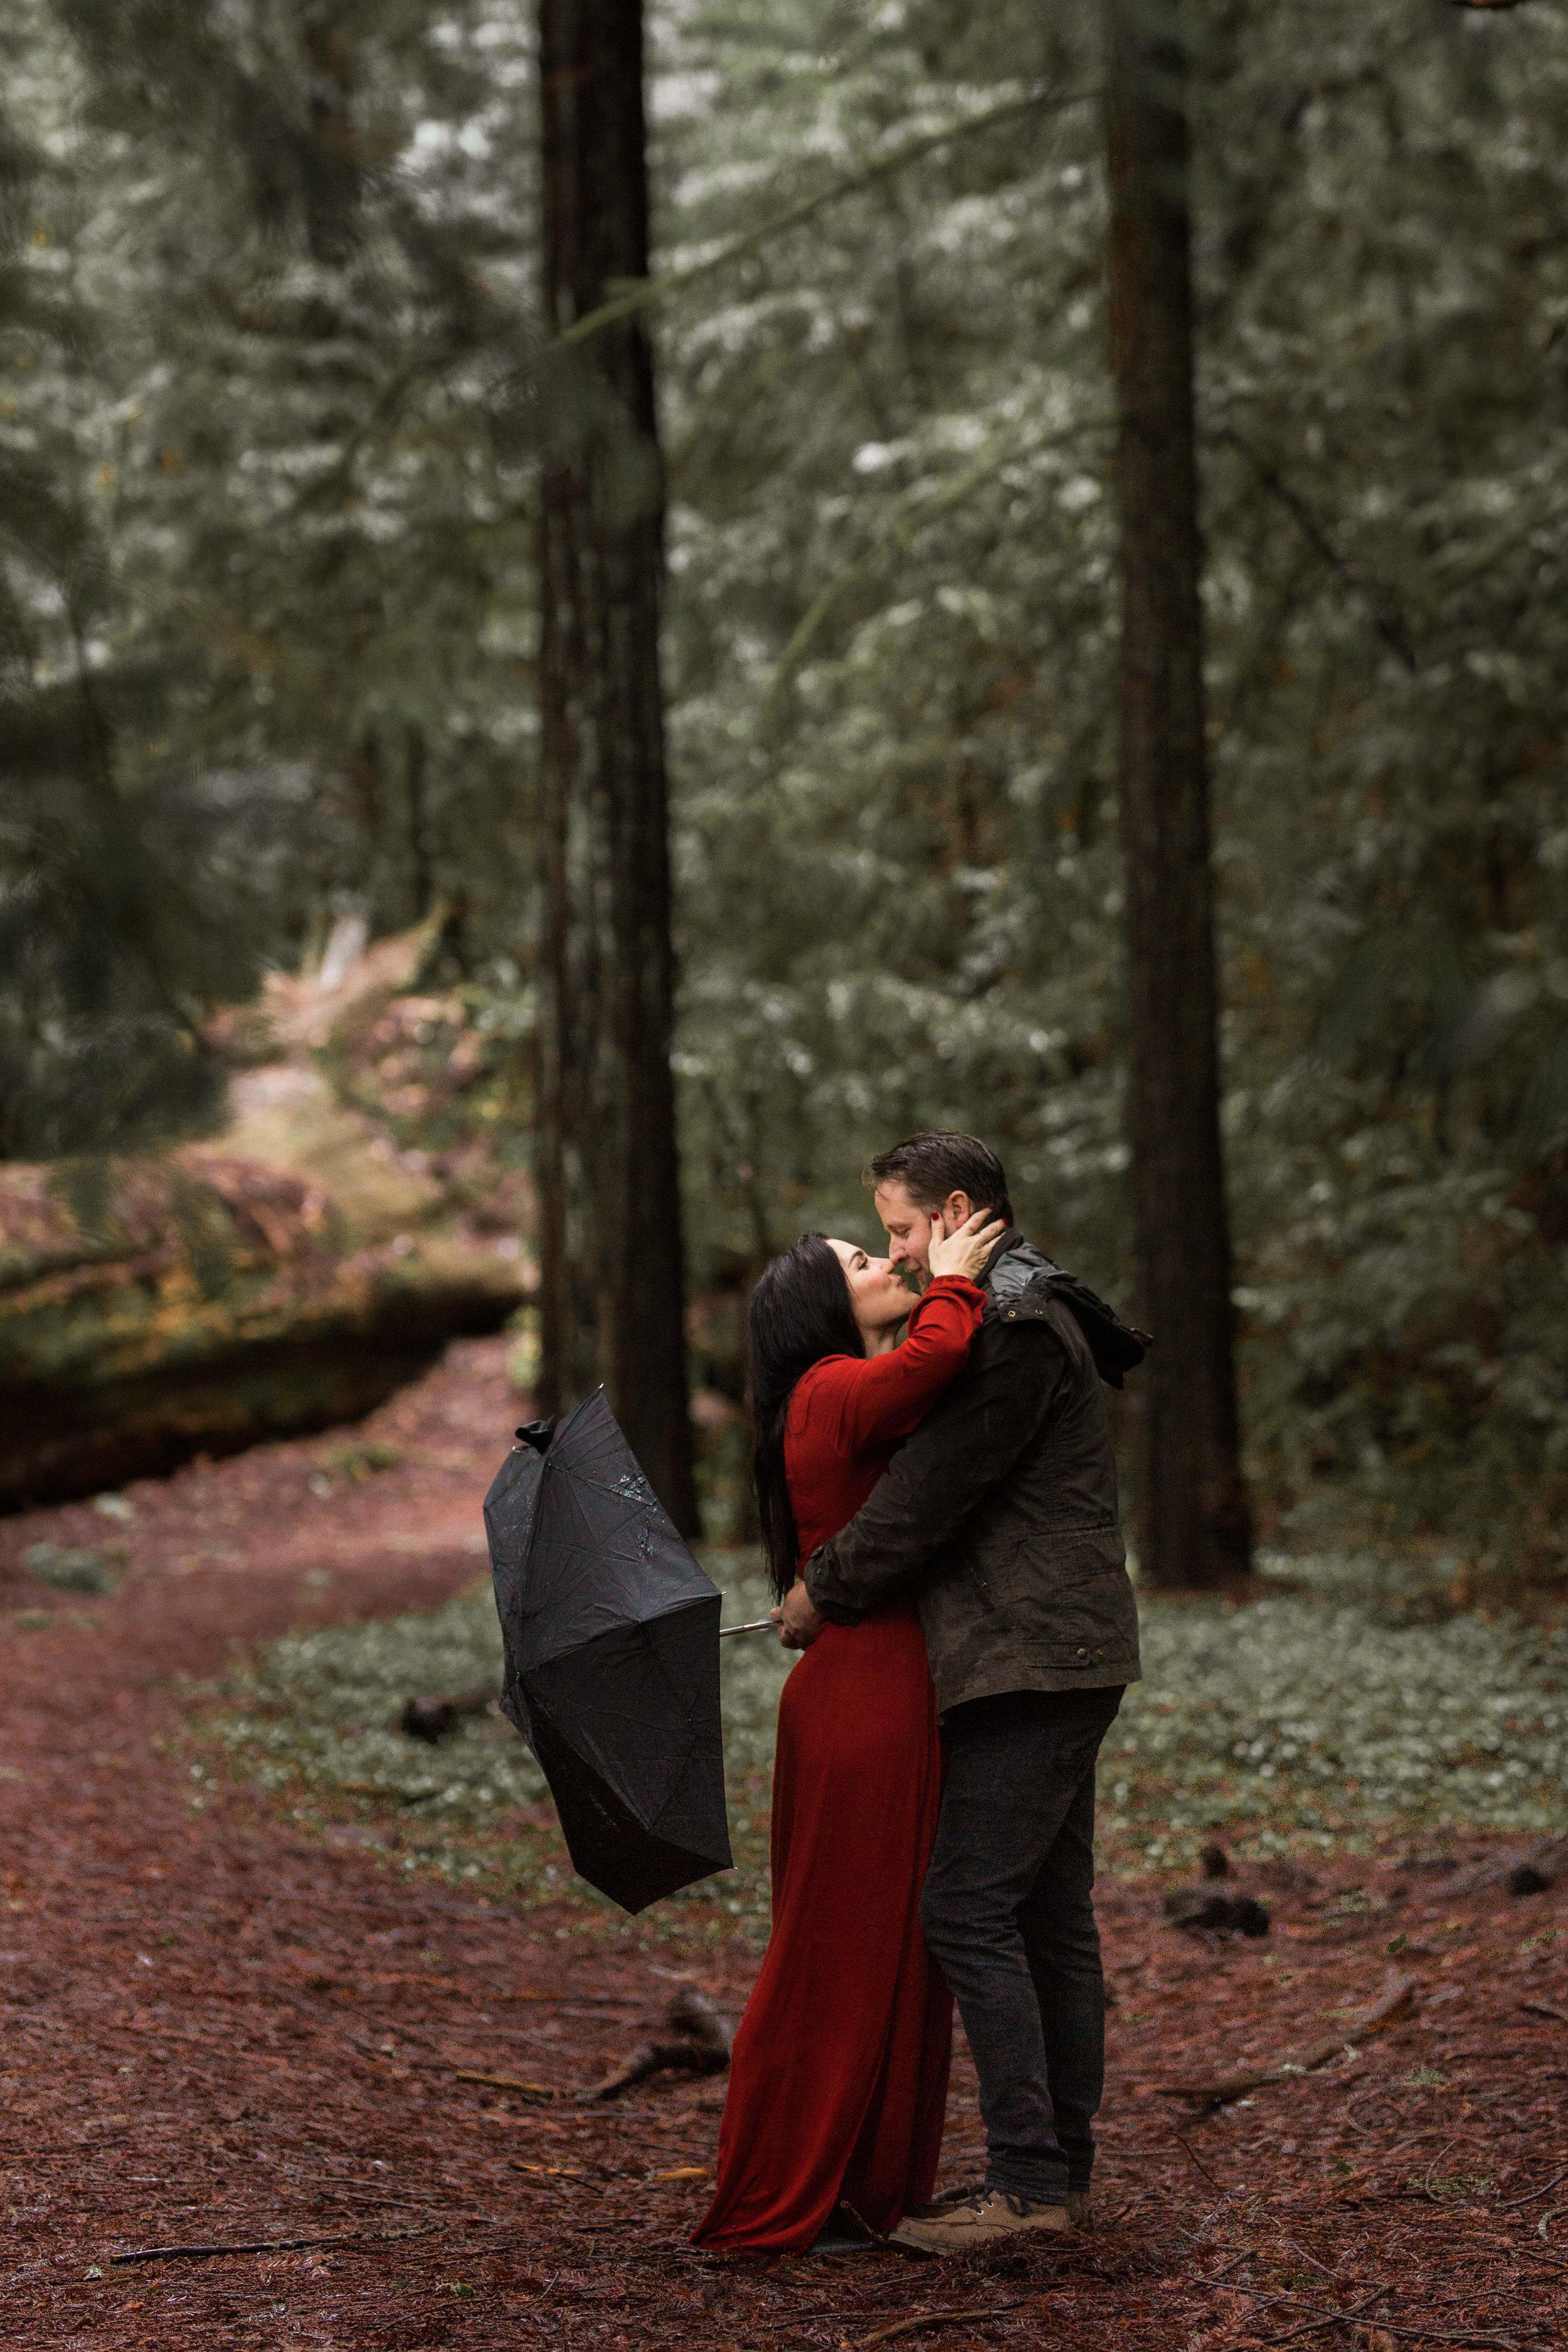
757,1625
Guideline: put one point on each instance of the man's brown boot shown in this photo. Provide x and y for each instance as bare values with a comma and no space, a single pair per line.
1078,2203
980,2220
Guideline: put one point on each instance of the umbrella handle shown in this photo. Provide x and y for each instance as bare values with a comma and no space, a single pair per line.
757,1625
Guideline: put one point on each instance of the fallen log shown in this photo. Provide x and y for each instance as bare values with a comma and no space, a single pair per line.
152,1310
1392,2004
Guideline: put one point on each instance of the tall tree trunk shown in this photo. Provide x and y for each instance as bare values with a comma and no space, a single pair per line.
1194,1521
414,749
611,1303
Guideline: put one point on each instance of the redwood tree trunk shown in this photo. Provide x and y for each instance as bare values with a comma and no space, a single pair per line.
611,1284
1195,1522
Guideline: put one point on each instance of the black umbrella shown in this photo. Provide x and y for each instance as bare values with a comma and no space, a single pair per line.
611,1658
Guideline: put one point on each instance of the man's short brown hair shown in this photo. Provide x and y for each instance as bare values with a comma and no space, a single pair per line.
941,1160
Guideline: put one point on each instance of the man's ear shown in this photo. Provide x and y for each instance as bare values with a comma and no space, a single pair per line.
955,1212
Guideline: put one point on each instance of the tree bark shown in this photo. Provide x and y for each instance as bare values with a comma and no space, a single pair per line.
610,1274
1194,1521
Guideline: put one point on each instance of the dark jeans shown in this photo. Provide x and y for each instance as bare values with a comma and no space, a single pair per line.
1009,1913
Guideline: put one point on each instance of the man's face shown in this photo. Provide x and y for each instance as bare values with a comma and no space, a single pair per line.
909,1229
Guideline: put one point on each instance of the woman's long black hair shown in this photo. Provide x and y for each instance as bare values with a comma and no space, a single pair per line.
798,1313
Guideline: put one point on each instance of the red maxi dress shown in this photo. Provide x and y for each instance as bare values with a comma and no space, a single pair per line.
838,2084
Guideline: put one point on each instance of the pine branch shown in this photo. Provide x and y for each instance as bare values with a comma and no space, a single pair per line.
900,534
641,297
1387,617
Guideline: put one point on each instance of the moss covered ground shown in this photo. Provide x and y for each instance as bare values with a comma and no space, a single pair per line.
1308,1719
313,1719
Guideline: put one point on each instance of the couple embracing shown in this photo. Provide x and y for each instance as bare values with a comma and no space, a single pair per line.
937,1504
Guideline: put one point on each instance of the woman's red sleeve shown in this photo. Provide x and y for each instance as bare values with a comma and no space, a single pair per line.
869,1401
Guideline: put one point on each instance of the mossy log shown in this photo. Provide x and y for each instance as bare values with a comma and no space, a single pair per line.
152,1310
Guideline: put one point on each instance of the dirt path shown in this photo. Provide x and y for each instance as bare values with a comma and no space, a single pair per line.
222,2029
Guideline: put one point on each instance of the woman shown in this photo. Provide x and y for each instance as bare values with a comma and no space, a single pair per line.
839,2077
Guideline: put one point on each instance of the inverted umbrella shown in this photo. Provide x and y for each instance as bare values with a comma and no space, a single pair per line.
611,1658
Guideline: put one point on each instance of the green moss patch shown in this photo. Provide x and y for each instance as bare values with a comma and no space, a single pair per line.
313,1720
1310,1718
1302,1720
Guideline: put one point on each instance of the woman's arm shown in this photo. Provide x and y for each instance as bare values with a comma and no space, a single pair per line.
857,1403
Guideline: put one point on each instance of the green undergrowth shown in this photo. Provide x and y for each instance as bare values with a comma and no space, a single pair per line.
1309,1719
1312,1719
313,1719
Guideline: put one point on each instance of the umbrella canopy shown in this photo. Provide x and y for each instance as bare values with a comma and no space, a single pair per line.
611,1658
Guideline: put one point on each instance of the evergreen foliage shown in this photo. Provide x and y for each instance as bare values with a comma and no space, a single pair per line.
1380,213
286,680
272,576
333,236
102,950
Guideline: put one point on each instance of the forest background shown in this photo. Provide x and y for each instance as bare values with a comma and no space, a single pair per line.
268,492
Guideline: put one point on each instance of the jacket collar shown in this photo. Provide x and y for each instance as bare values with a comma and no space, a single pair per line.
1010,1240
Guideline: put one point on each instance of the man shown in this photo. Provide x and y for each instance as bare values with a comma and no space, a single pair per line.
1000,1515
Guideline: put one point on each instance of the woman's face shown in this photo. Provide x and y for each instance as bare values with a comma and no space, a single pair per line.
877,1296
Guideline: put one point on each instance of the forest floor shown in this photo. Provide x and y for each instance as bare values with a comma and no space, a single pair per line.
232,2021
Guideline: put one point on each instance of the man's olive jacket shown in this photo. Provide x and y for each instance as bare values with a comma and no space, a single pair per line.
998,1515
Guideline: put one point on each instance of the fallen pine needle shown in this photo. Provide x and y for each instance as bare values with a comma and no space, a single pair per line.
1202,2167
540,2091
580,1999
1389,2327
1447,2336
1391,2005
535,2092
1431,2168
259,2246
401,2057
933,2319
1327,2320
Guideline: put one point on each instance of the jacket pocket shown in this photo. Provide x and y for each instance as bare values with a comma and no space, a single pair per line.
1073,1605
1097,1621
1042,1567
1079,1556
